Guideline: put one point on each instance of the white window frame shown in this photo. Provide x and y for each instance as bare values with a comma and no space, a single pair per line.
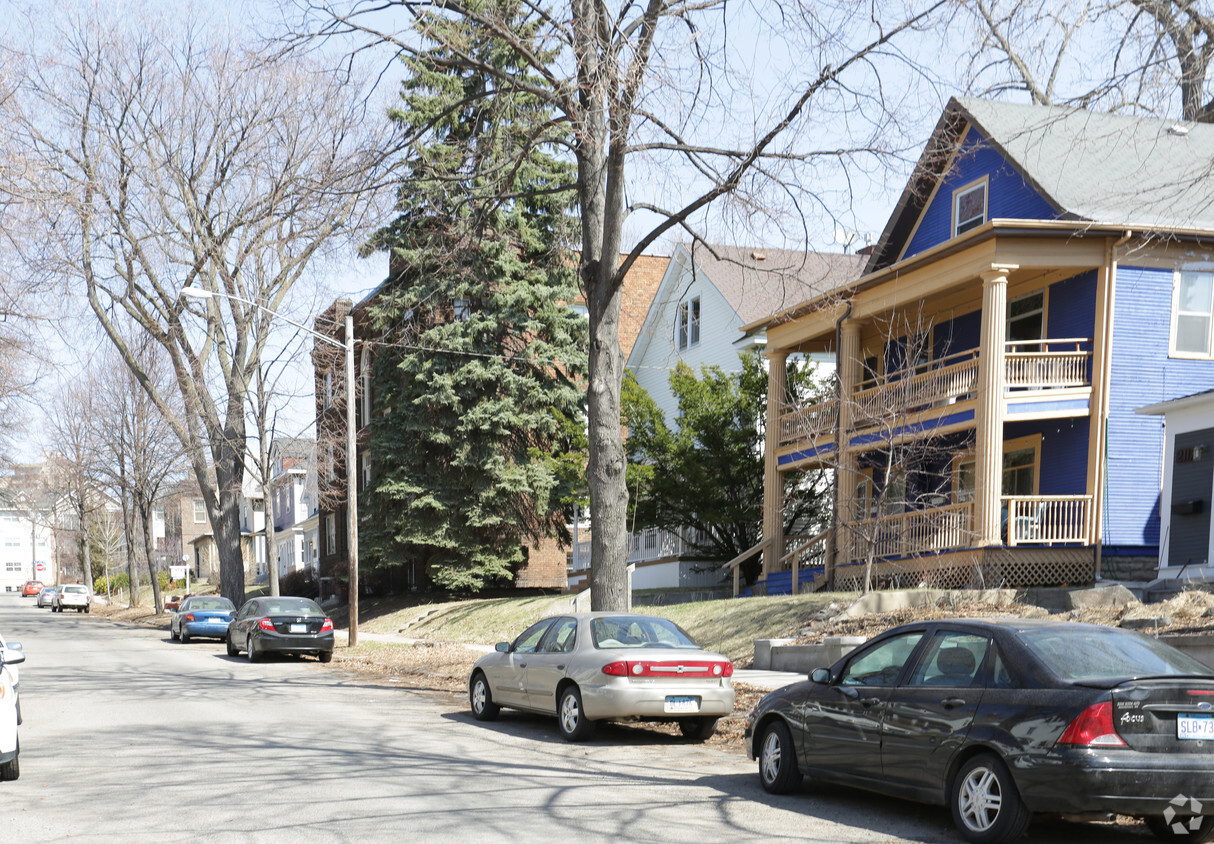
687,324
200,508
1177,313
972,222
327,398
330,533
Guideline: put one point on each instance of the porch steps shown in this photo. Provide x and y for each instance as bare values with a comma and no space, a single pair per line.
780,582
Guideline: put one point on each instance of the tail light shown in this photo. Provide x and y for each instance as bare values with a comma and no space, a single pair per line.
189,616
697,668
1093,727
266,624
327,626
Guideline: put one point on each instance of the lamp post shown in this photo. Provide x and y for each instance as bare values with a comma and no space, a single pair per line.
351,445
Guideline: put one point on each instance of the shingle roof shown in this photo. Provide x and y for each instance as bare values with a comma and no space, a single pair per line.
759,282
1118,169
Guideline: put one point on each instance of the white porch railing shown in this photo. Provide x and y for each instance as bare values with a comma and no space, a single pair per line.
915,532
1045,364
1047,519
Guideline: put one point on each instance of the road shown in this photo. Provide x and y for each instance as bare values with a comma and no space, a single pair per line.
130,737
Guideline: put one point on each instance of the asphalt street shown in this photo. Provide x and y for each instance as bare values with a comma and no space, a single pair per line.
131,737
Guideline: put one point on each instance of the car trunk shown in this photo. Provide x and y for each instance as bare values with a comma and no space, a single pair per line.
295,625
1165,714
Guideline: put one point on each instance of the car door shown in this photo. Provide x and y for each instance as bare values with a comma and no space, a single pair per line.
547,666
843,720
928,716
240,631
505,674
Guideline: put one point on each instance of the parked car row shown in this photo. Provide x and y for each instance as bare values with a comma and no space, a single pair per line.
71,596
263,625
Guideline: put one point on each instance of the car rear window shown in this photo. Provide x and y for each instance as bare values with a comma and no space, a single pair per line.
211,604
1106,653
291,605
73,589
630,631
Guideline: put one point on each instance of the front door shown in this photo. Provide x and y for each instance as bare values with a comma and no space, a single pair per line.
547,666
505,675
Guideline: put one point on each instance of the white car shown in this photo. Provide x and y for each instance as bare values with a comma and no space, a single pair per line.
73,596
10,709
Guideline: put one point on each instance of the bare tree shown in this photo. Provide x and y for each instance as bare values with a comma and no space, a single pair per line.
72,469
160,156
646,82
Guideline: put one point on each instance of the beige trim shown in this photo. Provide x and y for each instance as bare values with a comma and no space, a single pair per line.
931,197
773,480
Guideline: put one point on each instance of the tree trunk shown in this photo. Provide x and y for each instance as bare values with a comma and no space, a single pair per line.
132,564
145,518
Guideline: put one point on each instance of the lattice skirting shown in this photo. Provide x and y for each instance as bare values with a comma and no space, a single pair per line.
988,568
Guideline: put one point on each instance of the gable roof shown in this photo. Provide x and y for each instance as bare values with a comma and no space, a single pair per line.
758,282
1117,169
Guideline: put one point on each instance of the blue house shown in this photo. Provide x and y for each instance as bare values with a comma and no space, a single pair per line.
1045,272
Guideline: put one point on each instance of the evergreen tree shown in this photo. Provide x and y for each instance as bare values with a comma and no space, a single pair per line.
706,472
477,394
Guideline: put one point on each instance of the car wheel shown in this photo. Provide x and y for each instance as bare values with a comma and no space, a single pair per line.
481,699
232,651
11,769
575,726
86,609
185,637
698,729
325,656
1180,829
778,769
251,649
172,633
987,809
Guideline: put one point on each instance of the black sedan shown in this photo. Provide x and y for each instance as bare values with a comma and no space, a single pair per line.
281,625
1001,718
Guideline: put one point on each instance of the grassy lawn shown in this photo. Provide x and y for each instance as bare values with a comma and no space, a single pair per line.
728,626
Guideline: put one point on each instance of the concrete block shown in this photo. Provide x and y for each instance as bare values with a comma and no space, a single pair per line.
763,648
1146,622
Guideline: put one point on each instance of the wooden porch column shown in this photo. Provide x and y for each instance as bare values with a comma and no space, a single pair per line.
773,482
992,372
846,461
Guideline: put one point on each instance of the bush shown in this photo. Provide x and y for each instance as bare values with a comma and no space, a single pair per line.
116,582
298,583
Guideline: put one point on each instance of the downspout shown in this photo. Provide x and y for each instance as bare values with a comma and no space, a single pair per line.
1110,263
834,515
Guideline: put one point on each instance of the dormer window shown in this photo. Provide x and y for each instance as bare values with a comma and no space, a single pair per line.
687,324
969,207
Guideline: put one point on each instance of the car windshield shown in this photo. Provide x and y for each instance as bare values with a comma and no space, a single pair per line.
1108,653
632,631
292,605
222,604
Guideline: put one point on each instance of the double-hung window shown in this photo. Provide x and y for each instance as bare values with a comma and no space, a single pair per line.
687,324
969,207
1193,315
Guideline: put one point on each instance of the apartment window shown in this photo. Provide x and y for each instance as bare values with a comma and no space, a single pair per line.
365,461
364,403
463,309
1021,465
864,498
1192,315
200,512
327,397
969,207
12,543
687,323
331,533
872,371
11,566
964,475
1026,320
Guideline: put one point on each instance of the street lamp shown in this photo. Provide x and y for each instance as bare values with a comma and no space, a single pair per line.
351,446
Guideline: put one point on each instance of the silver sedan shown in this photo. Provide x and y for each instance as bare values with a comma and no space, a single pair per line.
586,667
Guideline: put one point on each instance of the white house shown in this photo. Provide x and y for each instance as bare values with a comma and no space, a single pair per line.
705,297
295,504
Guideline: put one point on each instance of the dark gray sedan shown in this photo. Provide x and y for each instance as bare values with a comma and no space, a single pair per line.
281,625
1001,718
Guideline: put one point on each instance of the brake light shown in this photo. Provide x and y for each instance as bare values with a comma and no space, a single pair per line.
616,669
1093,727
698,668
189,616
327,626
266,624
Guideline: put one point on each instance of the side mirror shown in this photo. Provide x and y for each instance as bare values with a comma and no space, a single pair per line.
11,657
820,676
502,647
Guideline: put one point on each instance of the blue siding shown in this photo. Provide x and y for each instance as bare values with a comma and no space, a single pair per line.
1072,307
1142,374
1064,453
958,334
1009,195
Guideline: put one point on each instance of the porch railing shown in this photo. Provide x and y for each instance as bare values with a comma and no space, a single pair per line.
1044,364
1047,519
808,421
947,380
916,532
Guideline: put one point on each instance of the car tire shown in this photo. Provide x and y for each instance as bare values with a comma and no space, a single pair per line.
11,769
778,770
698,729
232,650
1165,831
571,716
325,656
986,806
172,633
86,609
480,698
185,637
251,650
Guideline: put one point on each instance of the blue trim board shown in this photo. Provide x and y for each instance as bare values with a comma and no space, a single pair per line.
917,428
801,455
1014,408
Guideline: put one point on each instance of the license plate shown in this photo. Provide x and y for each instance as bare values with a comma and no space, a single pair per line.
297,628
1198,727
679,703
